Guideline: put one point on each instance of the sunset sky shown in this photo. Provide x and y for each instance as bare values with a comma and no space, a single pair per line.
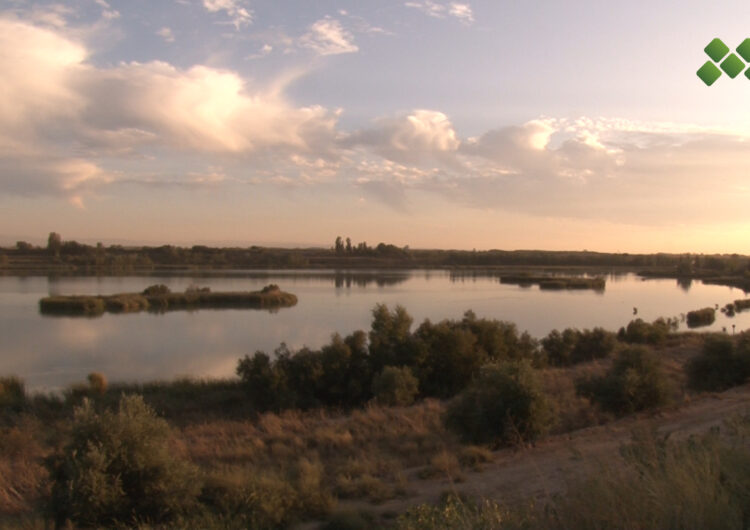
434,124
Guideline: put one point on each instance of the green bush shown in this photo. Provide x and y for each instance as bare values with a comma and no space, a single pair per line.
395,386
720,365
119,469
499,340
505,405
640,332
701,317
573,346
635,382
450,360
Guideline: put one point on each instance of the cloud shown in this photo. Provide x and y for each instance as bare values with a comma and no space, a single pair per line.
460,11
107,12
421,136
612,170
328,37
264,50
166,34
72,129
53,103
239,14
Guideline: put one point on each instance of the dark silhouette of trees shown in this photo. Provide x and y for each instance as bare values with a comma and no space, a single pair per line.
54,243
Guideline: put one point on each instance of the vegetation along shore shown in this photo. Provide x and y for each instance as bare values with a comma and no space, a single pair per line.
71,257
159,298
372,430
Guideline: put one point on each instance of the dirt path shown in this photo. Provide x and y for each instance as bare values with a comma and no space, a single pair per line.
542,471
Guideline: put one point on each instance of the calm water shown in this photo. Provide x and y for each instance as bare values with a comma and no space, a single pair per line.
51,352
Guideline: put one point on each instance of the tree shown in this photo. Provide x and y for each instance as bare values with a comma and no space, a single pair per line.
348,245
54,243
339,245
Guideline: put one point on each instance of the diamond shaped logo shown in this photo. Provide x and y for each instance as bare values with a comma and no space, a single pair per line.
732,65
716,50
744,50
709,73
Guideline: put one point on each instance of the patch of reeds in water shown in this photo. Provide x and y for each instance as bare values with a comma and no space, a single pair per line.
554,282
162,300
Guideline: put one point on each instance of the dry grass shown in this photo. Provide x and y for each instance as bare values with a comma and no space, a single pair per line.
361,455
23,478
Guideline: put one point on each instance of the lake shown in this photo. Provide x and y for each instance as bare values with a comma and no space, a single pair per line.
50,352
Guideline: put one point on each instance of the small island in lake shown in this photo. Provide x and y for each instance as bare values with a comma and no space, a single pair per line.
554,282
159,298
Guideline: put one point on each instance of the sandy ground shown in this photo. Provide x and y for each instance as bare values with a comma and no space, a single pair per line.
543,470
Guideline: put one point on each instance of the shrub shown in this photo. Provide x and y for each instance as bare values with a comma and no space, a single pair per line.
635,382
573,346
720,365
701,317
97,382
158,289
641,332
454,512
451,358
12,393
593,344
505,405
391,343
119,469
558,347
395,386
96,388
499,340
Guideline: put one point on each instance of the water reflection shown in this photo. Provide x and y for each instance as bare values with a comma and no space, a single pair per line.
685,283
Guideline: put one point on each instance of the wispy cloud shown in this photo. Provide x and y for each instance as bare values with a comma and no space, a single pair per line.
108,13
166,33
460,11
328,37
238,13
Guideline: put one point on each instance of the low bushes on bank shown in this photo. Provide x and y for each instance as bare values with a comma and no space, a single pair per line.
505,405
635,382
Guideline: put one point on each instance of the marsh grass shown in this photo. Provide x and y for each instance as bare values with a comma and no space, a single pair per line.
158,300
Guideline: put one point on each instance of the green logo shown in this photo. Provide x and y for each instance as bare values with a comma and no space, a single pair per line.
730,64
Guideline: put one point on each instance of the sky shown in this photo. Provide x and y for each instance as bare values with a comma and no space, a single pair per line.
477,124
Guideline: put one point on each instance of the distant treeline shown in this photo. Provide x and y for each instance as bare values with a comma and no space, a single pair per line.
73,257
